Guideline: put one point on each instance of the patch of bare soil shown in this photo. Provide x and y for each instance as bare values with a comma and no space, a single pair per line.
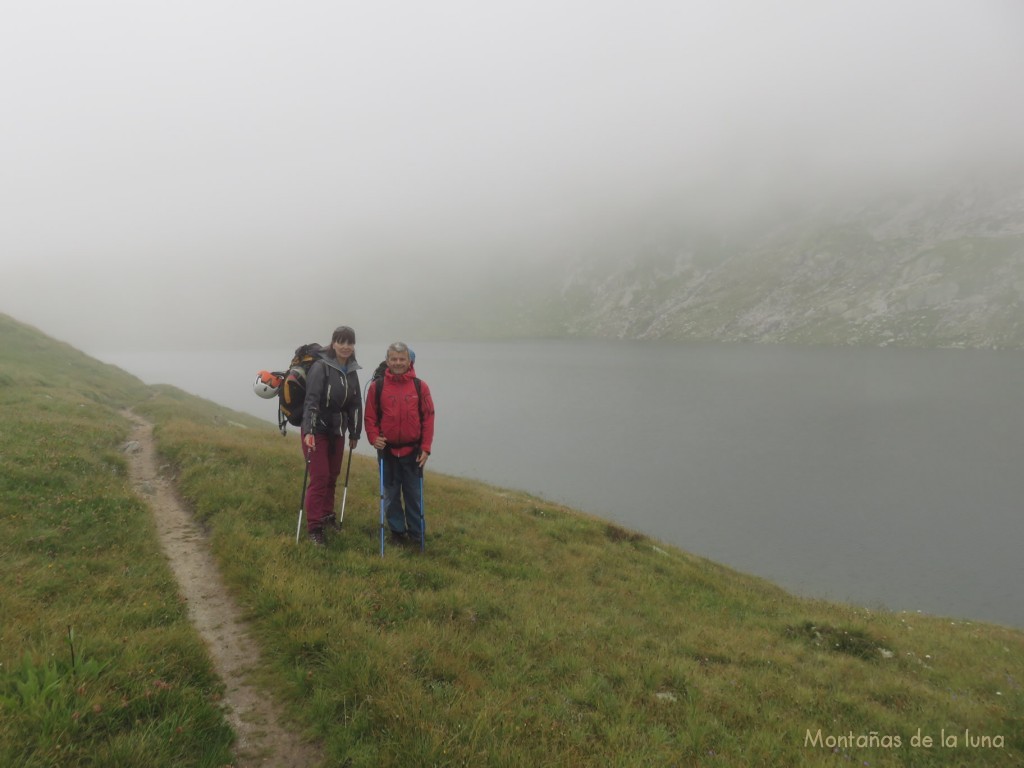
263,740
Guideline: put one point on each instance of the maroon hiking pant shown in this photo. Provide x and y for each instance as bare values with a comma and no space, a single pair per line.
324,469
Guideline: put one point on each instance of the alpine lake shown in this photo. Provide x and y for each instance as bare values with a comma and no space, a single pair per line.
888,478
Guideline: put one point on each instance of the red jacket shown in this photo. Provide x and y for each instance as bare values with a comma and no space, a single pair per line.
399,419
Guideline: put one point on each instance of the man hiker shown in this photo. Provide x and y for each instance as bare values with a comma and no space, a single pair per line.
400,425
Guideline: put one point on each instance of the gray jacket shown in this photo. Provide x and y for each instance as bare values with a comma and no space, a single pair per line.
334,403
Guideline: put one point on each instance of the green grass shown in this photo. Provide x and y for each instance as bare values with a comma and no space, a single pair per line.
527,634
100,666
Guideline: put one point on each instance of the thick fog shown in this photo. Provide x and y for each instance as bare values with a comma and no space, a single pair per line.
210,173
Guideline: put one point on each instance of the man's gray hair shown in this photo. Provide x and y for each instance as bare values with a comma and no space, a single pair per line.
398,346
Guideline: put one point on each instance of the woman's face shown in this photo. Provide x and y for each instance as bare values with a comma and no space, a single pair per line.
343,350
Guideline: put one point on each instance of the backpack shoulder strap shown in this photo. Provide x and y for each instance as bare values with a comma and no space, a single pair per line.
378,385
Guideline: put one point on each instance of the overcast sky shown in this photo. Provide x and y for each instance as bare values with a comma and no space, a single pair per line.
171,171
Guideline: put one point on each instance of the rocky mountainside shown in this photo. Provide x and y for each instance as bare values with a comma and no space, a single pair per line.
940,268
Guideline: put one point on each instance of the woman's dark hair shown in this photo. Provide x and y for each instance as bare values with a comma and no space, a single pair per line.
343,333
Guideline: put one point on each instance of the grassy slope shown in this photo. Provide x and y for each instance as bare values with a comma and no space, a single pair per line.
81,571
528,634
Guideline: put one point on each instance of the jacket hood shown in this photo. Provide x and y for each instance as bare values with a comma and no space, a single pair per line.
351,365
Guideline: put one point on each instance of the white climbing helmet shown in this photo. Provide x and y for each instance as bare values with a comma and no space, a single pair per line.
267,384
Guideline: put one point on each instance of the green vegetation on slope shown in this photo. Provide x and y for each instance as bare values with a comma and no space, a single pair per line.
527,634
100,665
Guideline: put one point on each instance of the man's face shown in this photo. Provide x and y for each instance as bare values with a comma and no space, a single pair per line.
398,362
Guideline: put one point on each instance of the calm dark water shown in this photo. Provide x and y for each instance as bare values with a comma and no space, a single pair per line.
883,477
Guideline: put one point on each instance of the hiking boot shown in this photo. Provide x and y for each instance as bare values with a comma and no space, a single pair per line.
399,537
317,538
331,521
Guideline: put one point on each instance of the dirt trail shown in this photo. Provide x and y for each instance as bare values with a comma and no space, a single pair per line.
263,739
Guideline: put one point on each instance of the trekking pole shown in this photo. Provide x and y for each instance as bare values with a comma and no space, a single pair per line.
380,459
423,523
302,502
344,493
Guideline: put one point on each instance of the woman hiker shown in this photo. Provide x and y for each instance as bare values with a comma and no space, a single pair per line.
333,405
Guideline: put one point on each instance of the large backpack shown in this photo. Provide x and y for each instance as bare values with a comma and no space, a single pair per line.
292,394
